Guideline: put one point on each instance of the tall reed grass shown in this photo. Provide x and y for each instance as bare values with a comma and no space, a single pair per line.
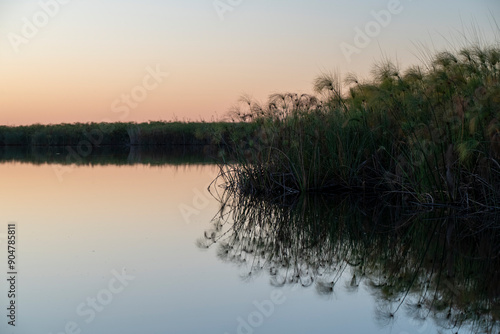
429,134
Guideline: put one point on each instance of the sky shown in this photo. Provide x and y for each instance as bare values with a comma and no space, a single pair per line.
65,61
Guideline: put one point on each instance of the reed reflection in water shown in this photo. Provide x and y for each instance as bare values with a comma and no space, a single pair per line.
438,266
111,155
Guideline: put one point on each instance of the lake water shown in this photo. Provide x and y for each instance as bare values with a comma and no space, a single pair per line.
116,249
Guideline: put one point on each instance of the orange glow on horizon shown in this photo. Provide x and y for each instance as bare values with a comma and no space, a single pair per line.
77,64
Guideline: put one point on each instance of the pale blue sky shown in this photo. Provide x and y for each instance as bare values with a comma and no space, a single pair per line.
92,52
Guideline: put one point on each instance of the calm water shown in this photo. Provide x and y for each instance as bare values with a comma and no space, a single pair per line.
119,249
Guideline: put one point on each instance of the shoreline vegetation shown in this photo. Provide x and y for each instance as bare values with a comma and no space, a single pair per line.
427,136
120,134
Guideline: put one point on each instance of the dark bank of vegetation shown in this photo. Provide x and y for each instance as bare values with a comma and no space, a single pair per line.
122,134
429,134
434,266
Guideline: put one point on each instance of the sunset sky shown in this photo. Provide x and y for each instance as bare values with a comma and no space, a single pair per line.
82,61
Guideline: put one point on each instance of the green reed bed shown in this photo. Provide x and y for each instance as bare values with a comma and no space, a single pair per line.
121,134
429,134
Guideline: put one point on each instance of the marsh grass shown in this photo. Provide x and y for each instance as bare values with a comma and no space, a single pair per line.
429,134
121,134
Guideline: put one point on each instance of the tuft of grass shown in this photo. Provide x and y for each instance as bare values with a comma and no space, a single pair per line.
387,136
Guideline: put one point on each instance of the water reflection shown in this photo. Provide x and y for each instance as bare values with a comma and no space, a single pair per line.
430,266
431,269
106,155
